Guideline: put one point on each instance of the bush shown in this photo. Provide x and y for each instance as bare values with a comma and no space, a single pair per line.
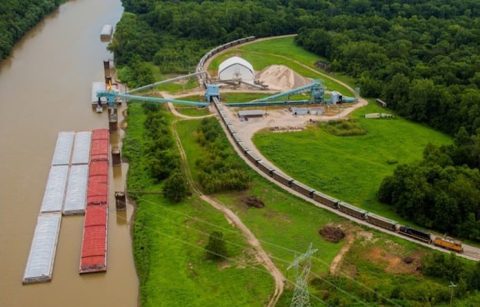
349,127
220,170
175,188
216,249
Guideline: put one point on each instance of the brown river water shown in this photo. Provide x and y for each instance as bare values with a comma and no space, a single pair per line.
45,88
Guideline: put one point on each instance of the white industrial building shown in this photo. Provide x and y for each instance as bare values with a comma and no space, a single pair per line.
236,68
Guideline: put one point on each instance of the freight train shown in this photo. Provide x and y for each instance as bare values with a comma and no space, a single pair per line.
318,197
331,202
216,50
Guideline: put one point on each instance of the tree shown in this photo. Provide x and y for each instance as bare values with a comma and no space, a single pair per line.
216,249
175,188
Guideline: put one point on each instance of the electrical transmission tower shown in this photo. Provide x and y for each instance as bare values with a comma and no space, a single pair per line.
302,265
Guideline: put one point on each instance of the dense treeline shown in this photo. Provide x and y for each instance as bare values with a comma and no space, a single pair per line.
17,17
160,162
450,268
423,57
175,34
220,170
442,191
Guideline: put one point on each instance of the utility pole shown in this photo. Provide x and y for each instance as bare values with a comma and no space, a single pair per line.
452,287
301,298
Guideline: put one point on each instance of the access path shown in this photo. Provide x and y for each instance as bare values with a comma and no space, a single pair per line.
261,255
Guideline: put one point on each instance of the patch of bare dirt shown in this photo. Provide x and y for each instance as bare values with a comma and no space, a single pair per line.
332,233
395,263
253,201
280,77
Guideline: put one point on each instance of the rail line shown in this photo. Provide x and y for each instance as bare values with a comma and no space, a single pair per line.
317,198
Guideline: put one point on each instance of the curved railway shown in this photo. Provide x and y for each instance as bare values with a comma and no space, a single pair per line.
320,199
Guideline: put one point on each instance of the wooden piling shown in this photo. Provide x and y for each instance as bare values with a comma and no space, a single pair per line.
120,200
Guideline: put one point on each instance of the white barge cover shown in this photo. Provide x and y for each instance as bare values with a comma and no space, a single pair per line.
75,198
81,148
55,189
42,251
107,31
63,148
98,87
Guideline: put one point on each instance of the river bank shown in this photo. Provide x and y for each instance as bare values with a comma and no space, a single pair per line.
45,88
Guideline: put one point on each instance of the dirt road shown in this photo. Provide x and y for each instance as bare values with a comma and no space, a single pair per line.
261,255
335,265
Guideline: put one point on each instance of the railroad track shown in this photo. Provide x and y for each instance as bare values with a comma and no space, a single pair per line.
263,167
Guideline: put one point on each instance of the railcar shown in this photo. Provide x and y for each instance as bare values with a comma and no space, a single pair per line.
302,189
448,244
415,234
381,221
282,178
250,156
325,199
264,167
352,210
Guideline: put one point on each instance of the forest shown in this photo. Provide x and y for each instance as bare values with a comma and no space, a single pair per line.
442,191
421,57
19,16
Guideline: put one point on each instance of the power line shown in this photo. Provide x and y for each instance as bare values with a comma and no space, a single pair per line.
219,255
301,296
236,244
321,261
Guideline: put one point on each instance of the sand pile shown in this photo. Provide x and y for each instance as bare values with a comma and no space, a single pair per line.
280,77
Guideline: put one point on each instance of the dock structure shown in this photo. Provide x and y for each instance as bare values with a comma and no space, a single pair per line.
93,256
106,33
42,251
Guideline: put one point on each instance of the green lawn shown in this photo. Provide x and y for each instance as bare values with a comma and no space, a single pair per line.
350,168
282,51
299,222
179,273
172,87
192,111
169,241
287,224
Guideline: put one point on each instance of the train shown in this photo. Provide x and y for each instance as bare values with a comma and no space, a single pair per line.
318,197
331,202
214,51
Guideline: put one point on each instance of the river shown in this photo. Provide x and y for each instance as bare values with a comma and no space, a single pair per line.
44,89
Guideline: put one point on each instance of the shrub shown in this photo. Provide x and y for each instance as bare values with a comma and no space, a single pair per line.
349,127
216,249
175,188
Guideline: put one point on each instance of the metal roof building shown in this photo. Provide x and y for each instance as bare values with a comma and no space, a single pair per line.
236,68
245,114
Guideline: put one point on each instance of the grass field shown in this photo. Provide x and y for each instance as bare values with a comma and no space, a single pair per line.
169,241
282,51
299,221
192,111
172,87
350,167
287,224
